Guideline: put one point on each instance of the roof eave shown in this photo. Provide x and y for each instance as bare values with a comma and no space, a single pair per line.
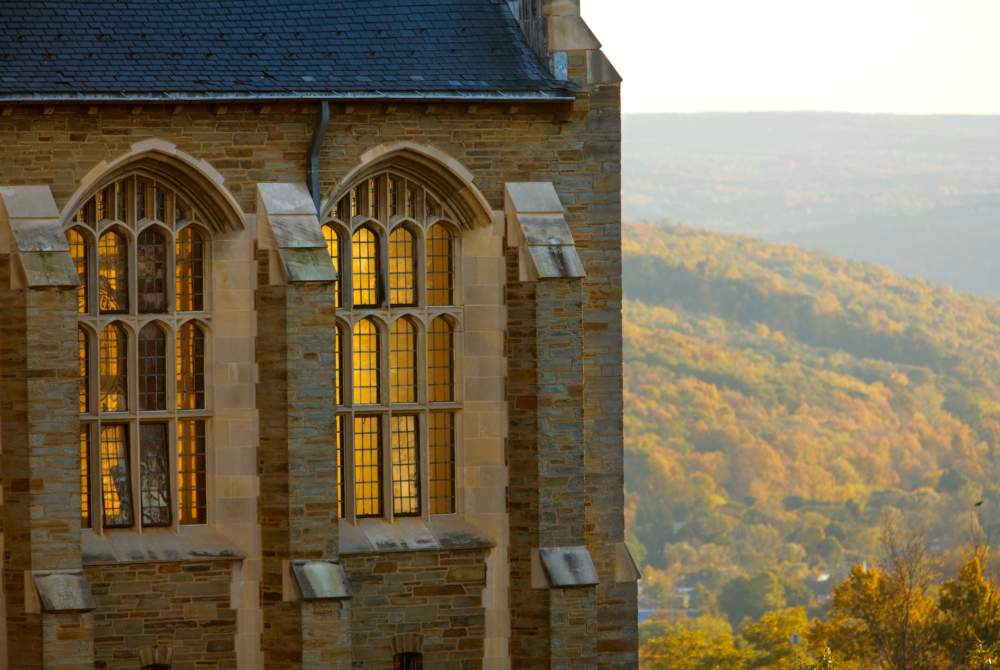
235,96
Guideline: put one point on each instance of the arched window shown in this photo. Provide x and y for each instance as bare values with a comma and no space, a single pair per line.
152,369
114,369
190,255
398,434
440,266
190,367
402,268
144,412
333,246
365,268
367,389
112,271
80,251
403,361
151,268
441,361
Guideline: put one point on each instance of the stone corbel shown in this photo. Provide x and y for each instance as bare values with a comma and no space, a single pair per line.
537,227
288,227
562,568
52,591
321,579
31,233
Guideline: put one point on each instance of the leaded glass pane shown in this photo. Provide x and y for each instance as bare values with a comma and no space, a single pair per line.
365,268
152,344
191,472
367,466
151,269
441,361
140,199
411,203
441,435
402,268
366,363
190,280
405,466
339,456
154,474
80,251
440,266
355,202
403,361
393,197
121,200
114,369
84,343
333,246
116,483
85,518
190,367
112,271
373,198
338,364
161,205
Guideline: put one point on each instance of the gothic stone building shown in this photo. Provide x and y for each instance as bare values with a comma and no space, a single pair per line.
310,337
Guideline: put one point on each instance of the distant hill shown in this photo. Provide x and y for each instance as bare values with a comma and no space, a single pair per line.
780,402
918,194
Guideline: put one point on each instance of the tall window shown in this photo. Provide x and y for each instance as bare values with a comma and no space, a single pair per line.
395,369
144,402
333,246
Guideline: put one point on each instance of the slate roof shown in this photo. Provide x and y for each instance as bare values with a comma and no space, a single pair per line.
129,49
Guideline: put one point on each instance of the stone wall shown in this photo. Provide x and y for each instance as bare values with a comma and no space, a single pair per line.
434,598
184,606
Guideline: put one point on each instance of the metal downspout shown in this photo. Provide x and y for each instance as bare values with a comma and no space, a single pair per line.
319,134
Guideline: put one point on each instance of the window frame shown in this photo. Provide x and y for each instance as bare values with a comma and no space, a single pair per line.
430,211
169,321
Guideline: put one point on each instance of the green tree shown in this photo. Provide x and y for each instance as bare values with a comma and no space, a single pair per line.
770,638
743,597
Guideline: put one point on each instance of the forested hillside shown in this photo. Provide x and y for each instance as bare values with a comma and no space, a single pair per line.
780,403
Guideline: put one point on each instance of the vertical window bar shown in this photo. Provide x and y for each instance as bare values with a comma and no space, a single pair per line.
84,370
190,278
340,466
402,268
80,251
191,472
355,202
140,200
403,361
405,466
154,474
373,198
440,267
441,434
333,246
338,363
441,361
152,345
151,269
121,201
101,202
366,363
393,197
85,519
190,367
116,483
112,269
114,369
161,205
411,203
367,466
365,268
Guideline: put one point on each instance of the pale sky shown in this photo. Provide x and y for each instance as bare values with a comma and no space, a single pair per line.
871,56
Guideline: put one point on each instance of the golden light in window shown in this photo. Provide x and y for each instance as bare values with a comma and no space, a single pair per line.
440,266
366,363
192,472
373,198
402,268
441,435
190,271
151,271
112,273
116,480
333,246
114,369
365,268
405,466
190,367
403,361
84,341
338,364
85,476
441,361
80,251
367,466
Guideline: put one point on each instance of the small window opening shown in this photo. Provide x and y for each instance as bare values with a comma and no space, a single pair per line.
408,661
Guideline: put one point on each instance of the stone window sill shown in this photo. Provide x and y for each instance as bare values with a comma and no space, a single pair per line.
442,533
192,543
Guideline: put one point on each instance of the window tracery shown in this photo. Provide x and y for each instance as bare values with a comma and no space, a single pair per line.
141,253
395,351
